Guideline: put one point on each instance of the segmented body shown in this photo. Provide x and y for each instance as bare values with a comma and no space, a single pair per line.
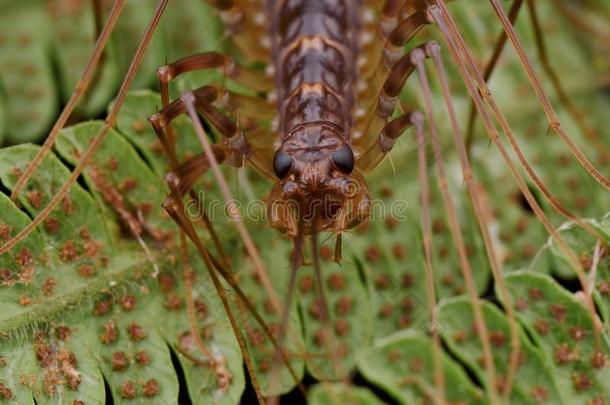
315,45
314,51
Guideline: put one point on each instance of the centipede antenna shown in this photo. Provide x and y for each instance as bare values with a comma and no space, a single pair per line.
489,69
329,337
228,277
79,90
552,117
456,232
481,213
99,137
296,263
338,247
439,375
442,18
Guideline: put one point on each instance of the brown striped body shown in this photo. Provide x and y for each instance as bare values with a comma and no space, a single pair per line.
315,46
314,51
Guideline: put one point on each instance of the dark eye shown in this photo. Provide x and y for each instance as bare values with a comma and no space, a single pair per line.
282,162
343,158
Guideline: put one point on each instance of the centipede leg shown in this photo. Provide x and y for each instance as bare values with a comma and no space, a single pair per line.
379,113
552,117
418,59
189,171
393,36
426,228
99,137
207,61
579,118
490,67
236,139
479,206
450,36
175,208
486,93
200,101
184,175
393,68
232,134
192,169
211,60
387,138
79,91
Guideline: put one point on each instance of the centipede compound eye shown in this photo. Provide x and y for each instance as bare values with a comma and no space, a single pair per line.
282,162
343,159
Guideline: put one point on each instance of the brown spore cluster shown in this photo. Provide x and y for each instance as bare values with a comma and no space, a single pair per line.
59,364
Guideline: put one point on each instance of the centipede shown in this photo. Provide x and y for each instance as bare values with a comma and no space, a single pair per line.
323,111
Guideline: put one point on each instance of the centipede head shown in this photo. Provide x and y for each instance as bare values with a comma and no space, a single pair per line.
317,182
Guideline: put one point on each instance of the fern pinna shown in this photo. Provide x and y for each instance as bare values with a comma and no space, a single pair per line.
104,299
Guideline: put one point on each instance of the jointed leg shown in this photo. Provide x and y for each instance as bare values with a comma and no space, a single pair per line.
454,226
176,210
587,130
79,90
439,375
544,101
189,100
490,67
211,60
507,130
206,61
481,214
191,170
388,136
191,103
393,34
449,36
203,99
380,111
109,123
235,149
